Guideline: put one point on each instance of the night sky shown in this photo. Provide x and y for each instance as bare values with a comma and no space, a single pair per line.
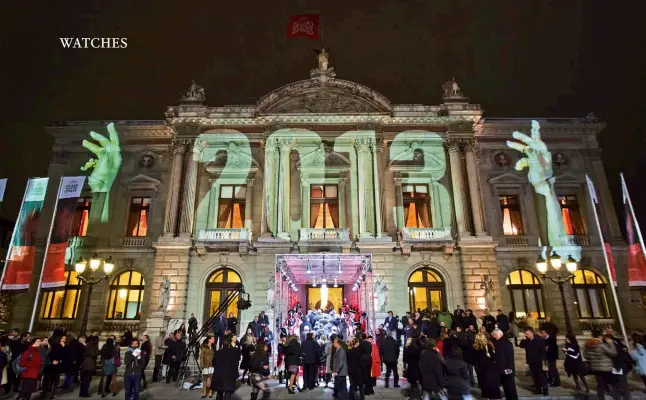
534,58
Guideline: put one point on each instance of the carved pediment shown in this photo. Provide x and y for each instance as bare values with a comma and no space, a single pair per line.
508,177
315,96
141,181
569,178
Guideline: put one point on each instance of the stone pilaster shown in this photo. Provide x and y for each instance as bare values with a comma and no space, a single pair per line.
212,218
173,262
474,189
343,184
399,204
172,199
364,168
284,186
478,260
248,206
305,201
377,151
457,180
188,195
268,224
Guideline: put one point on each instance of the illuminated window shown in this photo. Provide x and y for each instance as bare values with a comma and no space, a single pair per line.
231,206
512,223
526,293
220,284
126,296
81,216
417,209
426,290
62,303
590,291
324,206
138,216
572,219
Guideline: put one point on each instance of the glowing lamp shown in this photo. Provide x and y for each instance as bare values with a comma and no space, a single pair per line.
108,266
541,264
95,262
570,264
555,261
80,265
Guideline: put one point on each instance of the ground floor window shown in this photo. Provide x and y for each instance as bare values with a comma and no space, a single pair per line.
126,296
426,290
590,292
222,282
526,293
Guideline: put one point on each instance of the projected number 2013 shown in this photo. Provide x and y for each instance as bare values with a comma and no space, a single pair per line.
405,148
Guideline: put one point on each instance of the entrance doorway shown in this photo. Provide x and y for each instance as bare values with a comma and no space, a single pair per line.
220,284
426,290
318,300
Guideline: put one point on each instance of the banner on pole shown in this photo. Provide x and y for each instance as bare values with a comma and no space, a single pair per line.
54,262
636,260
603,230
3,186
20,261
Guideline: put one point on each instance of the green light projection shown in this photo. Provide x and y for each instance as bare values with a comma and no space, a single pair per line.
105,166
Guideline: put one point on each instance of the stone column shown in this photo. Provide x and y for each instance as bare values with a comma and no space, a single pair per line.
343,183
268,225
377,150
474,190
457,180
364,168
188,196
248,205
305,202
172,199
284,192
399,204
212,216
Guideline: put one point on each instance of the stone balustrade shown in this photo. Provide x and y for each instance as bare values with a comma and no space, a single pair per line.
426,234
221,234
318,234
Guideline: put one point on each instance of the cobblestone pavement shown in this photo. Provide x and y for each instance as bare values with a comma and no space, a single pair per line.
163,391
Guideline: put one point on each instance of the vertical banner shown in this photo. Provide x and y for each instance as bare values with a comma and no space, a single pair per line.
54,263
3,186
20,261
636,260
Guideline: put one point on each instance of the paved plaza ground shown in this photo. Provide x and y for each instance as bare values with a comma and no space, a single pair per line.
163,391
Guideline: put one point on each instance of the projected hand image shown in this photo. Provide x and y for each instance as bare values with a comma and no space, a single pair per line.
538,159
106,165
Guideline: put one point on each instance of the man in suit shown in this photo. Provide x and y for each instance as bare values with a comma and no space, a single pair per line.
390,324
502,321
551,355
340,371
219,326
534,346
504,358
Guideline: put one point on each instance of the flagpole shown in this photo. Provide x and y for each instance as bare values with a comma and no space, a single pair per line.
632,212
42,269
13,234
594,201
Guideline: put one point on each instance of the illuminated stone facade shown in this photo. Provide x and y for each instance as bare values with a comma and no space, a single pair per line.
329,131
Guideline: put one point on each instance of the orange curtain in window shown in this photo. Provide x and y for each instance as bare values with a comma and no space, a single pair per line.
315,209
423,215
567,221
333,209
143,223
223,215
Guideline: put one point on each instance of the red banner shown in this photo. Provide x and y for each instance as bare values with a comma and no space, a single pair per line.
636,260
304,25
20,262
54,263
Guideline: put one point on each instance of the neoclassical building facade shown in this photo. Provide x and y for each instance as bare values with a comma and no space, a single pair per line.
209,196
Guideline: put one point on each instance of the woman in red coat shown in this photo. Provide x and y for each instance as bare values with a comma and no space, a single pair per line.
31,361
375,369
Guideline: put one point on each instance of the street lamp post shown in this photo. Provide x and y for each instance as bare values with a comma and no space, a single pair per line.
556,263
95,263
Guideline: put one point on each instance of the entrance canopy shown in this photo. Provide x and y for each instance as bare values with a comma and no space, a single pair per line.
346,269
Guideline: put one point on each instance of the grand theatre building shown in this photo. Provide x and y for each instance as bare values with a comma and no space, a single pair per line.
397,206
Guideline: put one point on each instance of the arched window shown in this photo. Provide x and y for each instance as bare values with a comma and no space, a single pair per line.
526,294
218,287
590,291
126,296
64,302
426,290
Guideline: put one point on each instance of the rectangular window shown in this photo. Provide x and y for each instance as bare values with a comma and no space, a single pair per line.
571,213
231,206
512,224
417,206
138,216
81,216
324,206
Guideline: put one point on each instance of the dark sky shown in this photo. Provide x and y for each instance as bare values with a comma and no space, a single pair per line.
516,58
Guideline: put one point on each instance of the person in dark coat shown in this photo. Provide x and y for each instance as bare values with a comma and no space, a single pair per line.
390,323
366,363
259,371
503,322
573,364
176,349
534,347
255,327
411,358
232,324
466,339
488,376
263,320
549,327
147,349
293,361
192,327
432,370
488,321
505,363
355,369
225,371
390,356
246,349
469,319
53,365
311,358
219,325
72,359
457,375
88,367
551,355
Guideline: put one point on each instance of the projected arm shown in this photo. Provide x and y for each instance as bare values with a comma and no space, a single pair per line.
538,161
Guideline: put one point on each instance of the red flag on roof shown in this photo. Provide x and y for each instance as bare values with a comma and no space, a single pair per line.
304,25
636,260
